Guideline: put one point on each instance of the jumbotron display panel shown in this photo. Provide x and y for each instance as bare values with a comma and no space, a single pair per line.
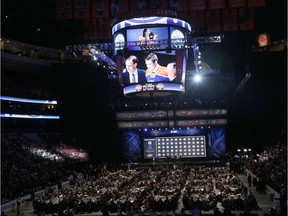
199,143
159,40
178,146
163,87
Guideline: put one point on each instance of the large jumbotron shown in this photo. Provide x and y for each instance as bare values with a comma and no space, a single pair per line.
151,44
157,42
160,35
151,53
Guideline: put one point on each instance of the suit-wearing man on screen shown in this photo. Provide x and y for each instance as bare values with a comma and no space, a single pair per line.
171,71
155,72
132,74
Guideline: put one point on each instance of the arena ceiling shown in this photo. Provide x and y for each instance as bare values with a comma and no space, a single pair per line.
35,22
262,106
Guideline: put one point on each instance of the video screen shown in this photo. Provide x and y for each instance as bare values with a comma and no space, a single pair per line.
148,38
153,73
178,37
202,143
119,40
178,146
150,55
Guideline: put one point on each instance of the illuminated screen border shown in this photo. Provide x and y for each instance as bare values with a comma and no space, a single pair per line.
26,100
11,115
153,89
150,21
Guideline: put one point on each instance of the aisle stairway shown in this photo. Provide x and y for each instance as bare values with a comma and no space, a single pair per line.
264,200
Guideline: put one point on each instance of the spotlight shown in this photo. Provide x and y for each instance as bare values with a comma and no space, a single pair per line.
197,78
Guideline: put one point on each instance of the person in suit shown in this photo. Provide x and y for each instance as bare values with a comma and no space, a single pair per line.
171,71
132,74
155,72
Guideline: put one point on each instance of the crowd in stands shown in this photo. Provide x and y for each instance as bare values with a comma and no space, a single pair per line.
24,170
269,168
213,185
29,163
155,190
